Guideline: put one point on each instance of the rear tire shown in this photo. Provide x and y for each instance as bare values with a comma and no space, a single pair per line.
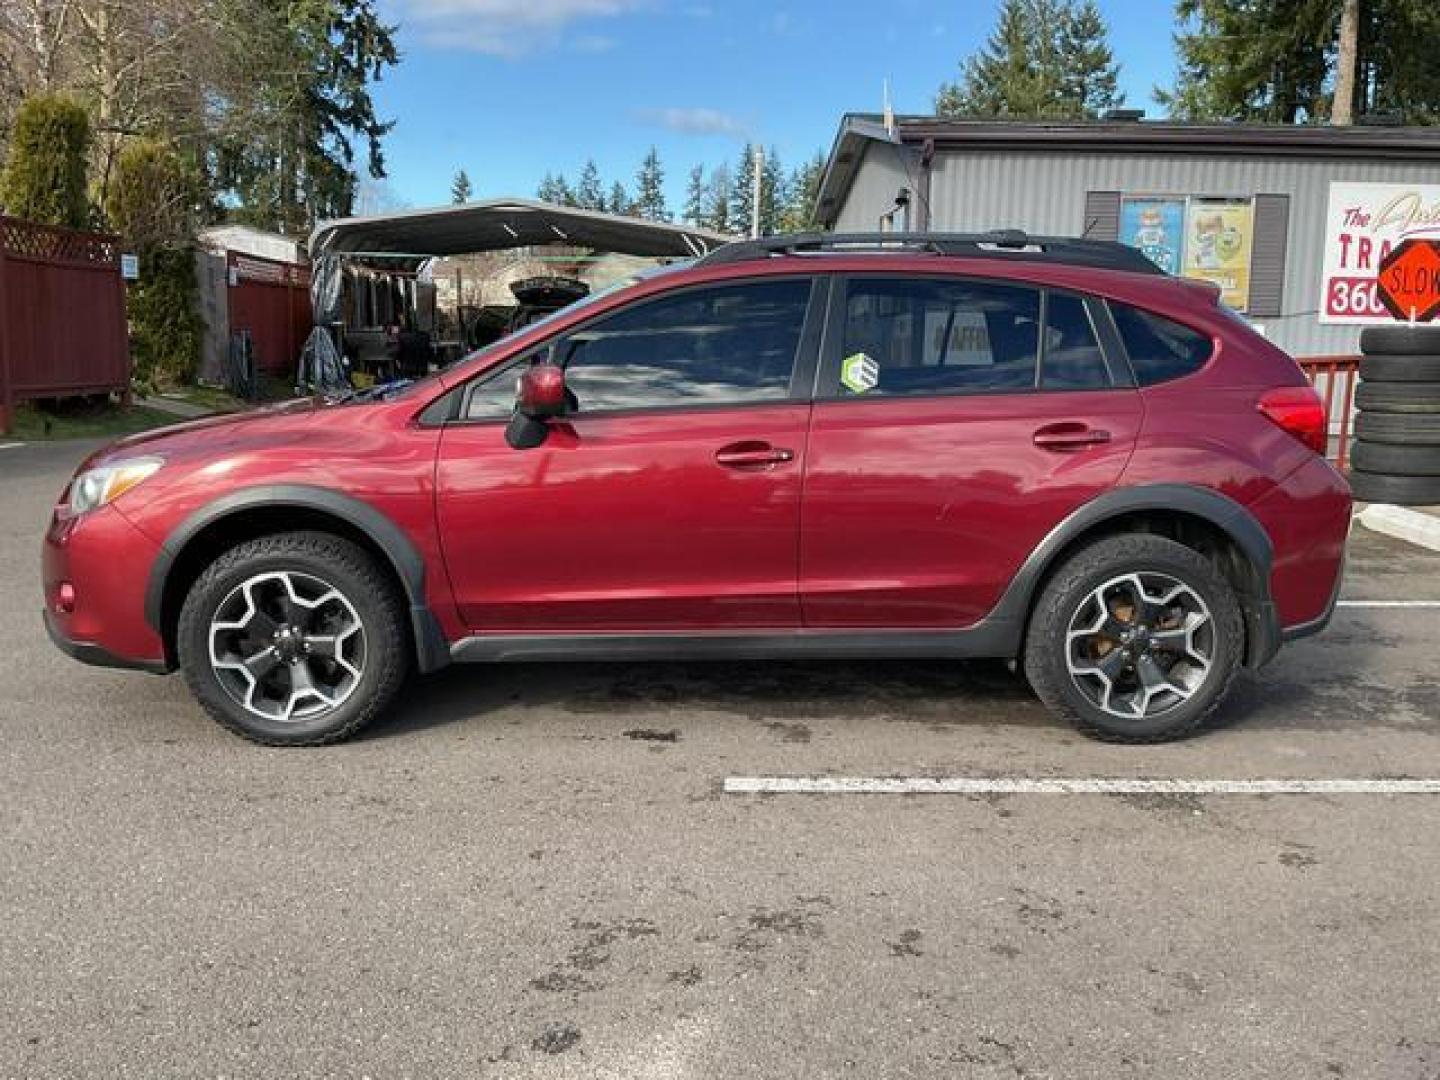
296,639
1146,687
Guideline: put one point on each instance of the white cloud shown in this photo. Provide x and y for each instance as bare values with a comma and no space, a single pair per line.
508,27
694,121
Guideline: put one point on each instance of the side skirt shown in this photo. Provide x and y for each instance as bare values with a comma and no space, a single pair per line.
998,639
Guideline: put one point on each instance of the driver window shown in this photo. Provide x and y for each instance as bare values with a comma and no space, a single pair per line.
730,344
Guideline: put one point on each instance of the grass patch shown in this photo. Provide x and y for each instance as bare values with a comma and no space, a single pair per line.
83,419
210,398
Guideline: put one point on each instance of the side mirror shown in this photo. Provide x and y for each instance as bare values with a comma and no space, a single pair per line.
542,391
541,395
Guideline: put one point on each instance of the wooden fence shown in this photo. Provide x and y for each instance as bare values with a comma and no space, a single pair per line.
62,315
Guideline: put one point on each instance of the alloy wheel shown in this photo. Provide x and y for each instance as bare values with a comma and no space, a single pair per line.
287,646
1140,645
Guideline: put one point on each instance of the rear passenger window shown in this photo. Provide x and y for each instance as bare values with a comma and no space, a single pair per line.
925,336
1159,349
1073,360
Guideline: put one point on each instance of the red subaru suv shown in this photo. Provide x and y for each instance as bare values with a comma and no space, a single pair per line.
815,446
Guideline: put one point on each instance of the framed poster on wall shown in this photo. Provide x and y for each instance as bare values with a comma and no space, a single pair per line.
1156,226
1219,237
1210,239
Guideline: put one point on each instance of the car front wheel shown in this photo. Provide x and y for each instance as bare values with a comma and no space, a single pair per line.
1135,638
295,639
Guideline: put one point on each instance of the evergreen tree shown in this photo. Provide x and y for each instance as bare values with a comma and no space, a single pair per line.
772,194
619,200
1260,62
44,177
1240,60
742,192
650,189
1045,59
293,162
460,188
802,192
719,214
694,213
589,195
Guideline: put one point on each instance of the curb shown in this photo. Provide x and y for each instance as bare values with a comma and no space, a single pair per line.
1409,525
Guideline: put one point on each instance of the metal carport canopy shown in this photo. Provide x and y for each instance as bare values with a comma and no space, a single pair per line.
497,224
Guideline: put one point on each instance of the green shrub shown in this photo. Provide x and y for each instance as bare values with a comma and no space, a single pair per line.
44,177
151,205
165,330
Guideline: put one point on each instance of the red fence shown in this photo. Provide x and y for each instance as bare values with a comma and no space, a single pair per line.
62,314
270,300
1334,377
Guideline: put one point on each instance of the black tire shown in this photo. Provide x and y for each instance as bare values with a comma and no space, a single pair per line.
1399,490
1398,429
334,562
1396,460
1400,341
1400,369
1416,397
1066,593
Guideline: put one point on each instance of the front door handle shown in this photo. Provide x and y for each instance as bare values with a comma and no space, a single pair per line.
752,454
1069,436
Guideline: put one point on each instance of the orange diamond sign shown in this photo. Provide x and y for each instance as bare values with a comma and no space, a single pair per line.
1409,280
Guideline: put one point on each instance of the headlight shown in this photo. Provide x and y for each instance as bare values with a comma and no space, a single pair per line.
96,487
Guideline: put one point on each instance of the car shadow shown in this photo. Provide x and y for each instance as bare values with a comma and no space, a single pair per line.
930,691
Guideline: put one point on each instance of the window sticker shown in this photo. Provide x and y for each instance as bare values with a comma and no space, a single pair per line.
859,373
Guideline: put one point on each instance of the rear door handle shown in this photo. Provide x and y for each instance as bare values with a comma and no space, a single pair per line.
1069,436
752,454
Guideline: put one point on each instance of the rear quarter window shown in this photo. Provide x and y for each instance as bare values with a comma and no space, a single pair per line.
1159,349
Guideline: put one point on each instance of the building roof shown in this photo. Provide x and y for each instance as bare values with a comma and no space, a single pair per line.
926,133
497,224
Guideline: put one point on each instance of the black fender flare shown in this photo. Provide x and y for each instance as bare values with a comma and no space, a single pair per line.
1220,511
432,651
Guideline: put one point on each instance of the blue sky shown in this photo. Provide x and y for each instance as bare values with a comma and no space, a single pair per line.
507,89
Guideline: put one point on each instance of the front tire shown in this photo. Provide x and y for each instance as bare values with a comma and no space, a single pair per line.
296,639
1135,639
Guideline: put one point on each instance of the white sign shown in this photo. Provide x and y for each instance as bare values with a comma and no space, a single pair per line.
1363,223
130,267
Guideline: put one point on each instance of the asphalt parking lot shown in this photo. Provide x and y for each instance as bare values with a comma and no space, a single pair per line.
535,871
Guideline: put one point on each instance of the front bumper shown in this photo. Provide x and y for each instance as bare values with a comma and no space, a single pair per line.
106,562
89,653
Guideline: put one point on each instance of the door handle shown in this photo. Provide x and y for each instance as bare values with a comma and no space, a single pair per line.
1069,436
752,454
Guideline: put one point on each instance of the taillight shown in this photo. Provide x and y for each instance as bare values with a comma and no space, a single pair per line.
1299,411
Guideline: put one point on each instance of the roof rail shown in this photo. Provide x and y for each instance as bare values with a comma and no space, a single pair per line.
998,244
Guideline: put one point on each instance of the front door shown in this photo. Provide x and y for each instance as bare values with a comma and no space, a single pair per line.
669,500
960,420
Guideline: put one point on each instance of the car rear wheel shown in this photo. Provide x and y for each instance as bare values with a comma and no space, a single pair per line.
1135,638
296,639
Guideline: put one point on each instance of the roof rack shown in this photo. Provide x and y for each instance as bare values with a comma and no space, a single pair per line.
998,244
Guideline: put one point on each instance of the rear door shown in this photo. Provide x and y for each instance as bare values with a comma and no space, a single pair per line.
670,500
958,421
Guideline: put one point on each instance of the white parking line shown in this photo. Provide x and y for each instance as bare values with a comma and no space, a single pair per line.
11,445
1389,603
960,785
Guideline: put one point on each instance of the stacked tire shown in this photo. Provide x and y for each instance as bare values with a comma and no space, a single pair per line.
1396,456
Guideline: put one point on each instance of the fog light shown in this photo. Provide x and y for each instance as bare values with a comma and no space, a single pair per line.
65,598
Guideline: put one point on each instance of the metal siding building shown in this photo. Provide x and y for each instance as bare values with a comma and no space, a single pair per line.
973,177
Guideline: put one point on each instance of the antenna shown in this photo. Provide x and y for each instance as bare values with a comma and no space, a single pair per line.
756,190
888,107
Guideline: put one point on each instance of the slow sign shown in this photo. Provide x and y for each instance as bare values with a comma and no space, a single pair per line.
1409,281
